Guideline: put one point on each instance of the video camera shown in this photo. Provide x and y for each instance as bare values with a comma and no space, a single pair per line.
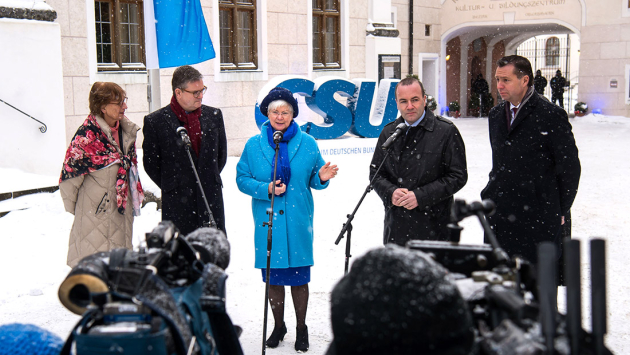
514,303
168,297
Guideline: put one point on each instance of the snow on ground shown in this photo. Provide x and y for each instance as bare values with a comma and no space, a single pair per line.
17,180
24,4
34,240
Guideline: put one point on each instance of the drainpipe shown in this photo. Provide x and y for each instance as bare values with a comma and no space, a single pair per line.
567,73
153,90
410,37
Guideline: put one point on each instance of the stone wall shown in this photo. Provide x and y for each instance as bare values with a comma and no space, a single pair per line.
32,82
284,48
604,55
78,50
285,38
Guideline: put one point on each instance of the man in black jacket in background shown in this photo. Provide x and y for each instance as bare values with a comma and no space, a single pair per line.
540,83
425,168
480,87
167,163
557,84
535,165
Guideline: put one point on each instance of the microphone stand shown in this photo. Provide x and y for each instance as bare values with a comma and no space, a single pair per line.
348,225
212,223
269,239
500,254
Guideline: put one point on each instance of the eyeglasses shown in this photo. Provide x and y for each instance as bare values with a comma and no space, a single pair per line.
122,102
196,93
283,114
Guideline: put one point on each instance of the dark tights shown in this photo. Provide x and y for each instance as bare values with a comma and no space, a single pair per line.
300,302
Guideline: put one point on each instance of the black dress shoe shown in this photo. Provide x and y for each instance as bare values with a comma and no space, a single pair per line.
301,340
238,330
276,336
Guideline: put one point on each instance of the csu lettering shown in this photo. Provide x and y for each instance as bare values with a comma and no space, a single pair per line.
364,114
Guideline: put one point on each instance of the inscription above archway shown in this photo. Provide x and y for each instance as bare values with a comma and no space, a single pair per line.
458,12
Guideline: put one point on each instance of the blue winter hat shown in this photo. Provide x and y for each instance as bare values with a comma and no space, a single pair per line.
279,93
28,339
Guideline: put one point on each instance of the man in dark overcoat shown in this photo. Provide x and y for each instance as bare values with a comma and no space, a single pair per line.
426,166
535,165
167,163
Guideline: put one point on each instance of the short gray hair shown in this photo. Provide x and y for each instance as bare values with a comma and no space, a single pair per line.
184,75
279,103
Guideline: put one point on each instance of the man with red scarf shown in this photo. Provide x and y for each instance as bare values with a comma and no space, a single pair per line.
167,163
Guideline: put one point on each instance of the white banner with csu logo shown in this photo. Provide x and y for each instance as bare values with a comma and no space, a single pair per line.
346,145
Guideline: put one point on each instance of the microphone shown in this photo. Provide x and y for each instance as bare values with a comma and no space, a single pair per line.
460,209
183,133
486,206
277,137
394,136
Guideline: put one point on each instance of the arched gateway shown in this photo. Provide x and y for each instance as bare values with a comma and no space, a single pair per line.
475,34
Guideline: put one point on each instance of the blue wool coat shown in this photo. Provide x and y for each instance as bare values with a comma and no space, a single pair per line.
292,242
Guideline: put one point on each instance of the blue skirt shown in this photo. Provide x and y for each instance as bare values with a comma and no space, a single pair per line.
293,276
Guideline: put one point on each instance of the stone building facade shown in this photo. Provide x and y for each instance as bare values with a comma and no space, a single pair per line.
444,42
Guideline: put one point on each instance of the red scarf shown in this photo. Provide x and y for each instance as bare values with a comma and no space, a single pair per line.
191,123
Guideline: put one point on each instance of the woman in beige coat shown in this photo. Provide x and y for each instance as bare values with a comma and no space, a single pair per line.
100,176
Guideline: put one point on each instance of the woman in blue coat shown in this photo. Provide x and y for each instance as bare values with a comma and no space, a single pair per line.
300,168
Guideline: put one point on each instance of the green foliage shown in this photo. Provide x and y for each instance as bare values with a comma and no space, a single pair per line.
431,103
581,107
473,104
453,106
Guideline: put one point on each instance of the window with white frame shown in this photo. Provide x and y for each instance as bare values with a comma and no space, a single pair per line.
119,35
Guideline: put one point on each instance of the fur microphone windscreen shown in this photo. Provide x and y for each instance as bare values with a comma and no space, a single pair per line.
399,301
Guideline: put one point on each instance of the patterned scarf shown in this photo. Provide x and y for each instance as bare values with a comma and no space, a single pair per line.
191,123
284,169
91,150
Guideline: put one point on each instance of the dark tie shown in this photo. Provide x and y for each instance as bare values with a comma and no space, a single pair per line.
509,119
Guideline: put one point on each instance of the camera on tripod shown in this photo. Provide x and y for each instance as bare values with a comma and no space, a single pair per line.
513,303
168,297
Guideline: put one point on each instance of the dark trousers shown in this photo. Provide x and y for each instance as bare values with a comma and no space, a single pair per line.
559,97
482,104
565,234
